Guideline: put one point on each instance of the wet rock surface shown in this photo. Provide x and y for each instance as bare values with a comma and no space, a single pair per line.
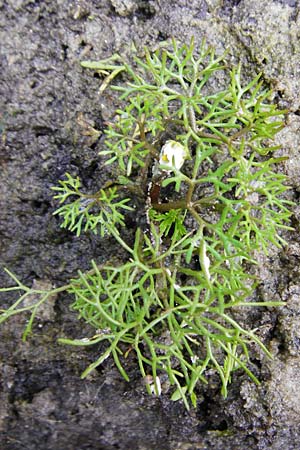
45,93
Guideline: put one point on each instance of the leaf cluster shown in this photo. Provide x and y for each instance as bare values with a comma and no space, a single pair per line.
172,302
89,212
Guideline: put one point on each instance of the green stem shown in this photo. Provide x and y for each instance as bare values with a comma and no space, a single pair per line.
165,207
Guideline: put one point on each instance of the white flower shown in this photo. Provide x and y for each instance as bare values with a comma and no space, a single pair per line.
204,260
155,386
194,358
172,154
206,264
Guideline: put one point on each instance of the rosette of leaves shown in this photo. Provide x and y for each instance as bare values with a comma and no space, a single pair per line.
200,158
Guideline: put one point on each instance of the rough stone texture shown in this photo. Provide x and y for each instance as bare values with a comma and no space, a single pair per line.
45,93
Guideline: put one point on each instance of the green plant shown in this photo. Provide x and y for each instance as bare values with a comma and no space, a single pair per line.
198,157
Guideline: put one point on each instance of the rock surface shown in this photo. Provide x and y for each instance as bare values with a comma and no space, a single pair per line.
45,93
